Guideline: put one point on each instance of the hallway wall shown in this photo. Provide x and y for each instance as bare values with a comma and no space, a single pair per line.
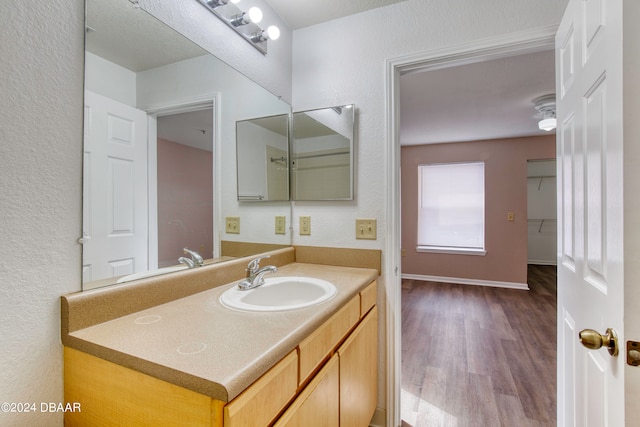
40,196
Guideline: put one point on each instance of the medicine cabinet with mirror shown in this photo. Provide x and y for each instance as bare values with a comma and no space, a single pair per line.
318,163
322,154
159,151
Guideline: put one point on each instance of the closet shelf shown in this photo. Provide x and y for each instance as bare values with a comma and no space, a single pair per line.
542,221
540,177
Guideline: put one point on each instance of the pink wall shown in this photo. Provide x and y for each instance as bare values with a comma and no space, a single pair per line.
185,201
505,191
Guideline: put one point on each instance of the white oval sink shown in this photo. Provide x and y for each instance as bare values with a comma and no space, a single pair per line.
280,294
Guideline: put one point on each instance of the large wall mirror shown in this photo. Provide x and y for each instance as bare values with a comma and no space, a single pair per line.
322,154
159,143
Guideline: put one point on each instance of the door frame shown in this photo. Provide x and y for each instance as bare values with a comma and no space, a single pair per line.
206,101
530,41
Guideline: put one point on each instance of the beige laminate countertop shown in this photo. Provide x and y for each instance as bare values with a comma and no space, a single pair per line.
197,343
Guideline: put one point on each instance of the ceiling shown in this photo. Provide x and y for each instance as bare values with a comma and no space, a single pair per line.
194,128
126,35
304,13
486,100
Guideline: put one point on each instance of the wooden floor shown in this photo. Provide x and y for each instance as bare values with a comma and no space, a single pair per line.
479,356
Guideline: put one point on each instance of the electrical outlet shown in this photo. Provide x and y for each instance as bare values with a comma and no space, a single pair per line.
366,229
281,223
233,224
305,225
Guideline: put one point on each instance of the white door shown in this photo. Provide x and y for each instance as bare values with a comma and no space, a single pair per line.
590,211
115,189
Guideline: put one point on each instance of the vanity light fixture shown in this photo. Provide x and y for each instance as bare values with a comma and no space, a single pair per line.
218,3
243,23
546,107
254,15
271,33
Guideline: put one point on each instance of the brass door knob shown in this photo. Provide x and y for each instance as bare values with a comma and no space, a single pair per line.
593,340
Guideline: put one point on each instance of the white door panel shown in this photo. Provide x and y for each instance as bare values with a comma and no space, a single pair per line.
590,202
115,203
590,268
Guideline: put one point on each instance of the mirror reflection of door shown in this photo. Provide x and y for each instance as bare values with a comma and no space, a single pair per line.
185,185
114,189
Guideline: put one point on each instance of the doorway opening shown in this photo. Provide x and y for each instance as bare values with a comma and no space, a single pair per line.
184,185
468,54
541,212
182,167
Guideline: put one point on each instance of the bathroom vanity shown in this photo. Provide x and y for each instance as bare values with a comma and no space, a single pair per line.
187,359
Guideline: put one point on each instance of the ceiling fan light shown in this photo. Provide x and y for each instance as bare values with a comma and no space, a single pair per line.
547,124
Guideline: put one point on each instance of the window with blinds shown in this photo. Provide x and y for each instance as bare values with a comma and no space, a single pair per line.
451,208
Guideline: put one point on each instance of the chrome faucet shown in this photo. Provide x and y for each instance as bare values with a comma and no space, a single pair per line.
195,260
255,274
187,261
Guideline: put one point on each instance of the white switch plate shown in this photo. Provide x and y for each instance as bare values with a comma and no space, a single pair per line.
305,225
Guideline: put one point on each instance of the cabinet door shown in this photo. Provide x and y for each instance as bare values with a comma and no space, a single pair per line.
315,349
263,400
112,395
359,373
318,404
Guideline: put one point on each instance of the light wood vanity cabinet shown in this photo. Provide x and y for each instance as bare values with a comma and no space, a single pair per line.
316,348
358,373
329,380
318,405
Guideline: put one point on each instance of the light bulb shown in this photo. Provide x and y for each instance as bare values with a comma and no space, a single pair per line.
547,124
255,15
273,32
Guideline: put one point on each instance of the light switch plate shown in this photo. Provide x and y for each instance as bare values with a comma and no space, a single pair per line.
233,224
511,216
305,225
366,229
281,224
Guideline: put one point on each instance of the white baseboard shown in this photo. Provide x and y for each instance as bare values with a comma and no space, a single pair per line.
542,262
463,281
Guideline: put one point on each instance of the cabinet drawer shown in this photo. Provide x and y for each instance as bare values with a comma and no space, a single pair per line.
368,298
318,405
260,403
315,348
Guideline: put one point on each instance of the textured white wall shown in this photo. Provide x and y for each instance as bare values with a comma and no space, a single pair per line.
342,62
111,80
240,99
40,191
